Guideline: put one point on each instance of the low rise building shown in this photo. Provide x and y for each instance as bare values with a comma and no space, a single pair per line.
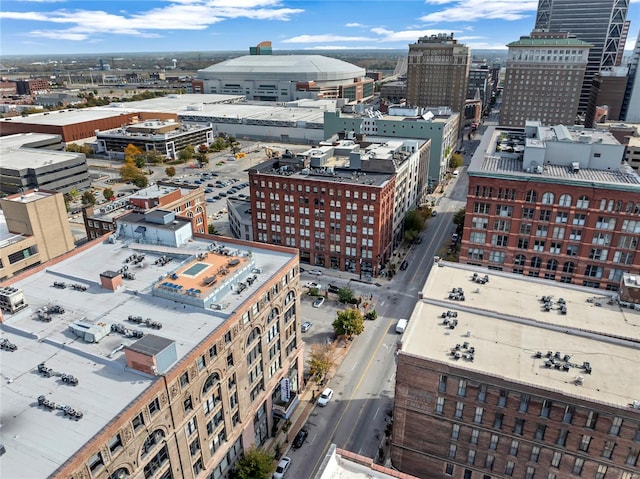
163,358
37,161
33,229
526,378
165,138
240,218
553,202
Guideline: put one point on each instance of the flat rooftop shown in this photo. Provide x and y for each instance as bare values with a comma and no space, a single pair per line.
106,386
506,322
27,140
64,117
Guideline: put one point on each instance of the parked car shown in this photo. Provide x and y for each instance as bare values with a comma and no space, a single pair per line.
454,237
325,397
318,302
223,194
434,213
210,200
298,441
418,240
208,190
333,289
210,185
282,468
306,326
404,265
312,285
317,272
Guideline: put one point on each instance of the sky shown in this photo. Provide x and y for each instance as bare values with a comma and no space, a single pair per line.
36,27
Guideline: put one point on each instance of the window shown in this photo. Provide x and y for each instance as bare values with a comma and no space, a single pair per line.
452,451
632,457
513,450
547,198
227,337
535,454
459,409
213,351
531,197
455,431
577,466
488,463
184,380
583,202
475,433
528,213
154,406
137,422
540,430
482,393
592,419
439,405
565,200
601,472
502,400
478,237
191,427
477,417
499,240
95,462
545,410
523,243
518,428
442,384
569,411
230,359
616,424
493,444
561,440
471,456
530,473
188,404
448,470
545,215
584,443
562,217
607,451
462,388
555,460
497,421
508,470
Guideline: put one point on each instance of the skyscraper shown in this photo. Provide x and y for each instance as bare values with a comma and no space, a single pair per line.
544,73
601,23
438,72
631,103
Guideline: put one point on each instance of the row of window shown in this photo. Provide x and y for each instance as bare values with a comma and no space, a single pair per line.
315,189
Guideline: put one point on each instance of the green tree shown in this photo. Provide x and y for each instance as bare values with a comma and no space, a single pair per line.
235,146
154,157
218,145
129,171
349,323
455,161
212,229
458,218
371,315
202,158
140,161
108,193
346,295
255,463
186,154
88,198
140,181
322,357
170,171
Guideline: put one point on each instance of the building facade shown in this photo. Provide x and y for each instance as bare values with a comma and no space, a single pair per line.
607,95
28,240
631,104
439,125
544,75
600,23
526,398
166,138
566,211
438,72
185,411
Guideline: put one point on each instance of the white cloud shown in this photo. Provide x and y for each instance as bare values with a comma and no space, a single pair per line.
354,24
473,10
438,2
404,35
326,38
79,25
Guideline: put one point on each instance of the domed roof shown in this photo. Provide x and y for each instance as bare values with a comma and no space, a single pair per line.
293,67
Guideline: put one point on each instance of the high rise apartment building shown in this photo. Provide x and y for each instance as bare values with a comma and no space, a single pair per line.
531,379
631,103
154,354
341,206
555,203
543,79
438,72
601,23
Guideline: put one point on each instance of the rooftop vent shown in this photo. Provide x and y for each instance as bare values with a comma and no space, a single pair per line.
575,167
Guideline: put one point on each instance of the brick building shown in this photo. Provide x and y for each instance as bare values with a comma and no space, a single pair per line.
507,388
182,357
342,207
33,86
187,201
553,202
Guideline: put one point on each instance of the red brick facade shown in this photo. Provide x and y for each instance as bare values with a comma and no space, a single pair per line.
451,422
325,219
569,233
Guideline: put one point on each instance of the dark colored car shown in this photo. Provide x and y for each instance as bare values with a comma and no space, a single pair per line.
404,265
298,441
333,289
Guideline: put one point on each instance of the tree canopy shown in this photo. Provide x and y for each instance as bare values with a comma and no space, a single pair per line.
170,171
88,198
108,193
349,323
255,463
321,360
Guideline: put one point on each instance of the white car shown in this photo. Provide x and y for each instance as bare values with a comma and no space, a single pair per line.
318,302
317,272
325,397
282,467
312,285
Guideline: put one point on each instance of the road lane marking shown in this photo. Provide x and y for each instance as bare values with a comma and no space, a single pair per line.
376,414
